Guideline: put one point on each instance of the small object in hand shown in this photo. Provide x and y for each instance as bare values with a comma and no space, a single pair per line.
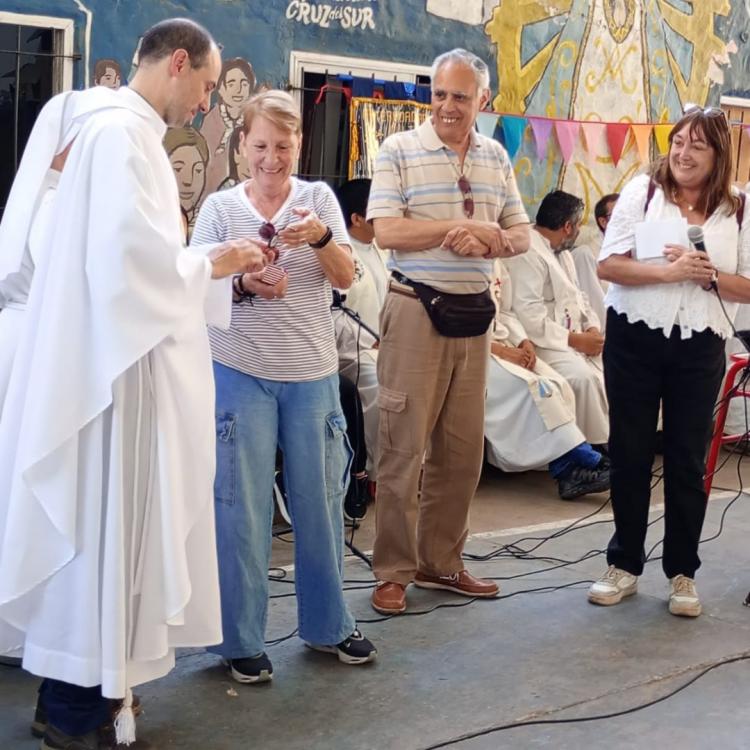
272,275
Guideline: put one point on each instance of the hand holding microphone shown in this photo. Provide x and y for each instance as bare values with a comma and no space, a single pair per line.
691,265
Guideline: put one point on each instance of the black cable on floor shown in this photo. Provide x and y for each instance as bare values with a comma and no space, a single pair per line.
585,719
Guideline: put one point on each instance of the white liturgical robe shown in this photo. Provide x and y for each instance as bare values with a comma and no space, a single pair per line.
107,437
548,301
529,417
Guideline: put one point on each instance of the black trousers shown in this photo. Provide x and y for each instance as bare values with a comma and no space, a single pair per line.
643,369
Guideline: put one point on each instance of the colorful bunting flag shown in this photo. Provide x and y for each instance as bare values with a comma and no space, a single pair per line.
617,133
567,135
513,130
642,135
661,134
542,128
593,132
486,122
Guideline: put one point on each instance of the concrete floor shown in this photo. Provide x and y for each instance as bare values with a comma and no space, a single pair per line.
461,670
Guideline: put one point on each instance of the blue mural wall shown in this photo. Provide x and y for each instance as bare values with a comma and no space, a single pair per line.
265,31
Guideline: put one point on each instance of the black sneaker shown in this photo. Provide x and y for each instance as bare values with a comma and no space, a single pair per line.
356,649
355,502
582,481
252,669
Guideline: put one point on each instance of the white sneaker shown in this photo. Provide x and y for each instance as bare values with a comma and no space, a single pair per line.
683,600
613,586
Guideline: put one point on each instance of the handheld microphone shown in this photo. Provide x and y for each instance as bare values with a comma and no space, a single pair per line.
695,235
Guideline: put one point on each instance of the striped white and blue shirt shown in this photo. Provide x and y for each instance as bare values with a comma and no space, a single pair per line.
289,339
416,177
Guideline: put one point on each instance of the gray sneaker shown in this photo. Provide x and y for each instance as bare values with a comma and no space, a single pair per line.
613,586
54,739
683,599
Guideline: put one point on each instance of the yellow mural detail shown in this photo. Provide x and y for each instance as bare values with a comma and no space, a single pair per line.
697,27
620,15
612,69
505,28
517,80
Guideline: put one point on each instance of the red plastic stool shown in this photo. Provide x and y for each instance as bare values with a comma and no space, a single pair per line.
741,361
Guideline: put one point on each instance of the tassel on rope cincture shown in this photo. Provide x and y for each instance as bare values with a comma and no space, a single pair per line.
125,721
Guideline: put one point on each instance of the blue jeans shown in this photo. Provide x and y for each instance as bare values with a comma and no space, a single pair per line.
253,416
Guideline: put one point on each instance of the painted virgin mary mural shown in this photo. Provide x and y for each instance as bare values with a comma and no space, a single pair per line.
601,60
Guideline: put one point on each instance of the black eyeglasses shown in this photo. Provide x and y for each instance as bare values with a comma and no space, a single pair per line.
465,187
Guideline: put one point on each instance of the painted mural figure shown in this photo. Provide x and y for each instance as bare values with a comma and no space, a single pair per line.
239,171
601,61
107,72
236,86
189,156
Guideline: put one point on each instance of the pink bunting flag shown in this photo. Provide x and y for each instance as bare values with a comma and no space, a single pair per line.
567,135
593,134
542,128
642,135
617,133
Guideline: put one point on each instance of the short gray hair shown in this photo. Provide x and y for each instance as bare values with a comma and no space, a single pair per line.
470,60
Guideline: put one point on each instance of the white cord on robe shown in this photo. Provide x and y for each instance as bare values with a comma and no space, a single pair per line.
125,721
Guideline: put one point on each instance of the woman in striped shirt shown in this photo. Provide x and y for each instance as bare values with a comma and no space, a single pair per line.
277,384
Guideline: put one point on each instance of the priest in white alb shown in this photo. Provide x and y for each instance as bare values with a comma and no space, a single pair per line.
107,547
555,313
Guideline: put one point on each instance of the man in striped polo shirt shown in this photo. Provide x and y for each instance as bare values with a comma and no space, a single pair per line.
444,201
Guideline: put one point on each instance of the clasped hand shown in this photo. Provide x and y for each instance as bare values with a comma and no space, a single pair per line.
482,239
689,265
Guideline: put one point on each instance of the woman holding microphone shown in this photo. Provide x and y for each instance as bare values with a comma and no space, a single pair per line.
665,346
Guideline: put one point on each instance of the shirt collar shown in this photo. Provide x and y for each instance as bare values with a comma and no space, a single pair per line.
138,104
431,141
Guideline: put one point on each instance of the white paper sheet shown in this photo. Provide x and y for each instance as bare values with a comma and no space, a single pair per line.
652,236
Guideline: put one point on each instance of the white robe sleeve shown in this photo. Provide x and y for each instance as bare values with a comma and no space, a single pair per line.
207,234
527,274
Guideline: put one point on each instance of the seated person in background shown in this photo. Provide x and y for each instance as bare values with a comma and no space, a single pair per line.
530,417
356,347
555,313
585,257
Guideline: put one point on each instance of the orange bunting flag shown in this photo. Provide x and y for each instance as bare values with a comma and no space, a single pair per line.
661,134
617,133
642,135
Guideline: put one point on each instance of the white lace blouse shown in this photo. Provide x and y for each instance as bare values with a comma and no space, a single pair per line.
683,303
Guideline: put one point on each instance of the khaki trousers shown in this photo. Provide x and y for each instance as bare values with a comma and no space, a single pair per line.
431,401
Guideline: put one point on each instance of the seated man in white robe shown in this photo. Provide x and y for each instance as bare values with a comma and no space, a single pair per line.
107,542
556,315
585,258
357,348
530,419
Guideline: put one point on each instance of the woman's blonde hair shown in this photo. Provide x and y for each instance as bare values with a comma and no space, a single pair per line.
275,106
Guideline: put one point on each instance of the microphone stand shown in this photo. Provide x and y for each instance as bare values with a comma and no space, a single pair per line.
338,304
